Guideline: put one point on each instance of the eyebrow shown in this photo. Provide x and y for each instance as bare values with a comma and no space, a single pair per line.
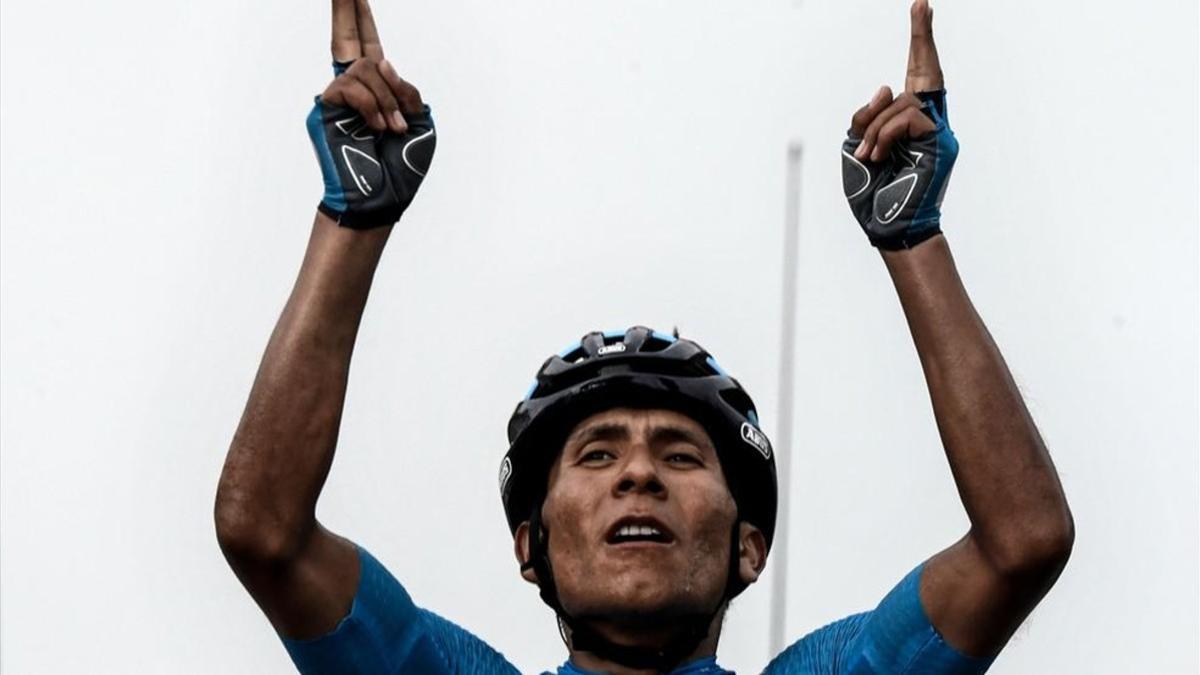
608,431
613,431
673,434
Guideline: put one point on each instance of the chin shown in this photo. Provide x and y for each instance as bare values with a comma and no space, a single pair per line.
640,597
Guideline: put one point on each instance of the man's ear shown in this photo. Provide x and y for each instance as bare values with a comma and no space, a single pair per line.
521,548
752,547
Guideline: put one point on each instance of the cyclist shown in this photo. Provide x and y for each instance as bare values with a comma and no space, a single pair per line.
639,486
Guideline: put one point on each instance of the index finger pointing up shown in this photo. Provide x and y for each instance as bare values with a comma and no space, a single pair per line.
371,47
924,70
345,44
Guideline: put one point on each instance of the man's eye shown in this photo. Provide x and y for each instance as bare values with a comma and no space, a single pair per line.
681,458
597,456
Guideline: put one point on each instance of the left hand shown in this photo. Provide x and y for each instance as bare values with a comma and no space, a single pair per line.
898,154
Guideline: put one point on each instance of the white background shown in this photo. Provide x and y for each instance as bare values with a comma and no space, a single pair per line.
599,164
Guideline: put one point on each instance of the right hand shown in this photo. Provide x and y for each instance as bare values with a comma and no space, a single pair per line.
373,135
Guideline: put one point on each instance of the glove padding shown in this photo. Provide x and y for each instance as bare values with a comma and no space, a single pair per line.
370,176
898,201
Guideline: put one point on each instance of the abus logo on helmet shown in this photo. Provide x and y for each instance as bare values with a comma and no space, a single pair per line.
756,438
616,347
505,474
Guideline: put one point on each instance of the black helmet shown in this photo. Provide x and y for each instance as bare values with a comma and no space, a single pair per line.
638,368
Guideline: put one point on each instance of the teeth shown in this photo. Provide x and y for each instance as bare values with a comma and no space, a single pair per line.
638,531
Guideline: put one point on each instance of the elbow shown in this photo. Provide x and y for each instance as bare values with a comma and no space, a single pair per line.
1038,550
247,536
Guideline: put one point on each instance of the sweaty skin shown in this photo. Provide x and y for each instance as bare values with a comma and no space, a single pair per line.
301,575
641,463
980,589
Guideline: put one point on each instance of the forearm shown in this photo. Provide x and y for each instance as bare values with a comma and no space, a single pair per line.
1004,474
284,445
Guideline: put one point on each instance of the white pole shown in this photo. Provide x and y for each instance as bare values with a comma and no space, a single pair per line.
783,437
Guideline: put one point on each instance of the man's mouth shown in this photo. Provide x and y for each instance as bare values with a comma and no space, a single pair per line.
639,529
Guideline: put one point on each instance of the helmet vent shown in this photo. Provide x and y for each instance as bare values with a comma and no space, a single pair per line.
654,344
739,401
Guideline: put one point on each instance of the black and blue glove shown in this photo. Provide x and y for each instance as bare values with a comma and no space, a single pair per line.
370,176
897,200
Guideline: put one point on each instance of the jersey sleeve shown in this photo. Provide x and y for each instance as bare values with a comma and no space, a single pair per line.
386,633
894,638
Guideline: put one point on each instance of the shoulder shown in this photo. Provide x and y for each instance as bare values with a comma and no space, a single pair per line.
385,631
895,637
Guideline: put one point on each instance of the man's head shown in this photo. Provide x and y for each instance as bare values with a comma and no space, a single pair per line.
641,521
640,491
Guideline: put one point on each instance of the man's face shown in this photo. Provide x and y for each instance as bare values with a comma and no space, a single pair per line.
640,517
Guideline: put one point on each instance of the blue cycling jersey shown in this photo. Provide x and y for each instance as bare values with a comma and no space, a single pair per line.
385,632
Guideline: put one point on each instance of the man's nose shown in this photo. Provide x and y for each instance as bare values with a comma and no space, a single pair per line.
640,475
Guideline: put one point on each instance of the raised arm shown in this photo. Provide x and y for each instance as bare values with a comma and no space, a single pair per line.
301,575
979,590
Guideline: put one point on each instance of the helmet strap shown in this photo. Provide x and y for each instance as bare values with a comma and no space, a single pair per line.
582,637
734,584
